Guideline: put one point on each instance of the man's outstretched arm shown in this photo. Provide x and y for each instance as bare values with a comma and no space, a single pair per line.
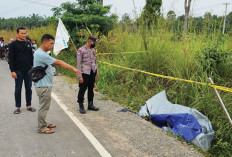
62,64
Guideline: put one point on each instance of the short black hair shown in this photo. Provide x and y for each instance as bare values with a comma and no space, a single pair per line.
20,28
46,37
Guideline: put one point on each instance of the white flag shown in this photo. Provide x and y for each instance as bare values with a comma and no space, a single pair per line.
62,38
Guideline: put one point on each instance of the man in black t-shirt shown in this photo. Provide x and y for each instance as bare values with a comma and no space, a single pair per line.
21,61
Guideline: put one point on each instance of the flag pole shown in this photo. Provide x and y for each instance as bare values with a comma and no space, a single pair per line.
73,44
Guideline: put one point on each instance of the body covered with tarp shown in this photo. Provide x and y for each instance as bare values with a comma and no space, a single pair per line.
184,121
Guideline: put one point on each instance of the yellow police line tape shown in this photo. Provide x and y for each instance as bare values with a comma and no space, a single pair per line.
170,78
121,53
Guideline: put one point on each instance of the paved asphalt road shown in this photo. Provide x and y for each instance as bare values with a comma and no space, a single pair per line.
18,133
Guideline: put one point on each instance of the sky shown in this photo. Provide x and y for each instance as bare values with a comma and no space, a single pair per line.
16,8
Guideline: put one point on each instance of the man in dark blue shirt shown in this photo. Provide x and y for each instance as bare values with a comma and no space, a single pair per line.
21,61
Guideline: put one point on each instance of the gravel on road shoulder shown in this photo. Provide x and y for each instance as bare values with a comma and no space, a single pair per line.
121,133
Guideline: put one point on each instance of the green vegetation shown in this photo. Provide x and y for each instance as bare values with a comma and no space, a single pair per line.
33,20
203,52
85,14
196,57
34,33
151,11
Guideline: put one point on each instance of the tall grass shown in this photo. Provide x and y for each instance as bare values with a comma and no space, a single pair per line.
169,55
34,33
172,58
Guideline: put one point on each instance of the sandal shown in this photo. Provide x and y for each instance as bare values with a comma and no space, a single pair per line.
32,109
17,111
51,126
48,131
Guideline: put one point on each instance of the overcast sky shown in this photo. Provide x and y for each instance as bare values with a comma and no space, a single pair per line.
15,8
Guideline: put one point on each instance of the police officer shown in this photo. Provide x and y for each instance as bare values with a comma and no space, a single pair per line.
87,64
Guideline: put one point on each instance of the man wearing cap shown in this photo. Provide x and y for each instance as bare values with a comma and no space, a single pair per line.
87,64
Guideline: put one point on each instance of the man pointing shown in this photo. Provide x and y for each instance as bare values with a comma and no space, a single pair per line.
44,86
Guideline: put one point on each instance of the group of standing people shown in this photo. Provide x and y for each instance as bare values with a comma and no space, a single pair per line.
33,43
3,48
22,59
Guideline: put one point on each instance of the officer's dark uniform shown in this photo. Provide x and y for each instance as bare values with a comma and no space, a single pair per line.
87,64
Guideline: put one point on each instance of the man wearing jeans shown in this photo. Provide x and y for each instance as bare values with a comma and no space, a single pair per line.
44,86
21,61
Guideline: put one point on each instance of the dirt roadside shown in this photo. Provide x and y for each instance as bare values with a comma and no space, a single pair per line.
121,133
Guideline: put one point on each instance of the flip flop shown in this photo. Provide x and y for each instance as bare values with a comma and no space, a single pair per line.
50,131
32,109
51,126
17,111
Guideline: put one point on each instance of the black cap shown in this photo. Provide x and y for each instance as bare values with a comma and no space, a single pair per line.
93,38
28,38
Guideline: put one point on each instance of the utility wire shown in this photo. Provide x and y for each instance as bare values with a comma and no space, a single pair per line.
16,9
25,6
40,3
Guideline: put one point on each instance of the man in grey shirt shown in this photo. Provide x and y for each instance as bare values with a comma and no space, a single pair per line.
44,86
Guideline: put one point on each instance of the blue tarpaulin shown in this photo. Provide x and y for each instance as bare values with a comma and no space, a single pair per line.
182,120
185,125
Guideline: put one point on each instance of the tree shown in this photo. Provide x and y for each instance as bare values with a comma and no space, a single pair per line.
101,2
207,21
33,20
187,4
85,14
126,19
152,11
171,15
229,22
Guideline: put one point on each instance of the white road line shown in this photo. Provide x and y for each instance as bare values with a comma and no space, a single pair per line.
85,131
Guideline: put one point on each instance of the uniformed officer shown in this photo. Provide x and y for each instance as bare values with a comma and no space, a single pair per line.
87,64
